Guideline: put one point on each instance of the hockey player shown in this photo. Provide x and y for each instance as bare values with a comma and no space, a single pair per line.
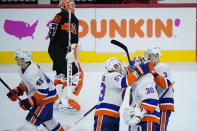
143,111
40,91
114,81
163,79
58,51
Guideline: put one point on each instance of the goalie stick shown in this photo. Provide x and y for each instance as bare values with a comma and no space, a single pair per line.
69,63
3,82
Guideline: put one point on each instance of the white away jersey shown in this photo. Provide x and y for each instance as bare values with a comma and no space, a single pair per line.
110,97
166,96
145,95
37,84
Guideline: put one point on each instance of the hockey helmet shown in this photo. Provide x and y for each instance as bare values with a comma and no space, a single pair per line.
155,51
110,64
67,5
22,54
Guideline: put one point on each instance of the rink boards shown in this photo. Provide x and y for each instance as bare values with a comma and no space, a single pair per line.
173,28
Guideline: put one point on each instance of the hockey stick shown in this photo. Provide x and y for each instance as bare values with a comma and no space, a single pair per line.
121,45
90,110
3,82
85,114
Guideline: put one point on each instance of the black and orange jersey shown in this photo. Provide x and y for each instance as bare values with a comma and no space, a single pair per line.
59,29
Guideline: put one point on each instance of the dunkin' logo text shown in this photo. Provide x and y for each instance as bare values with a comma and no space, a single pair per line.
132,28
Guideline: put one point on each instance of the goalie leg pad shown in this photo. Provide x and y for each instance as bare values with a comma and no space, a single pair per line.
75,101
74,104
56,82
59,79
80,82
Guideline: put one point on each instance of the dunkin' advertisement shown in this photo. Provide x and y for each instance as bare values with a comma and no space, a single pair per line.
172,29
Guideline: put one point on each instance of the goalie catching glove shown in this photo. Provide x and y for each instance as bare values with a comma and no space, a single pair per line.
133,114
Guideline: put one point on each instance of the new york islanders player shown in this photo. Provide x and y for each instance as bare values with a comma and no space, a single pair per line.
40,91
107,117
163,79
143,112
58,51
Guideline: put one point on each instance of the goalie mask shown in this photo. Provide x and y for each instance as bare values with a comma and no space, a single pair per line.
22,54
67,5
112,64
153,53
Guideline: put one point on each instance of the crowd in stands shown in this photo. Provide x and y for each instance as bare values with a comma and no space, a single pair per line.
126,1
79,1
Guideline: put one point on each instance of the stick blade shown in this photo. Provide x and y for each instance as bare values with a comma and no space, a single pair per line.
117,43
121,45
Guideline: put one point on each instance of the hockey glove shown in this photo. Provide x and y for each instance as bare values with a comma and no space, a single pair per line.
27,103
17,91
12,95
142,69
132,63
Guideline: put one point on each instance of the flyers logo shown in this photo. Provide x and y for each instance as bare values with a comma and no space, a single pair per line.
66,27
129,28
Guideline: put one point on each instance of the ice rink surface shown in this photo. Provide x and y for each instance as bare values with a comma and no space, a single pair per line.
184,118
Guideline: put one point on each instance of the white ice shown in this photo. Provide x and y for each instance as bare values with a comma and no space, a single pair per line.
184,118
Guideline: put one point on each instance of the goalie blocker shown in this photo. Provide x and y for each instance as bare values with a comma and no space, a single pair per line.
68,96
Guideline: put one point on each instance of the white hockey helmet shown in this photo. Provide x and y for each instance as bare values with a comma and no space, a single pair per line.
154,50
111,62
67,5
23,54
